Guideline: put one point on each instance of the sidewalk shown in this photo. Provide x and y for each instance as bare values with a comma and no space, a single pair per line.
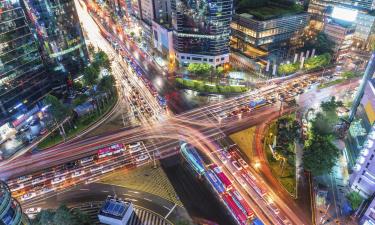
331,211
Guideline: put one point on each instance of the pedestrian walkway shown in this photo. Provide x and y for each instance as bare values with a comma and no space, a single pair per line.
140,216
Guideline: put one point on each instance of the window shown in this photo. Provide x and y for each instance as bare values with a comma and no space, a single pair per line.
211,60
359,180
205,59
363,172
372,156
188,57
217,60
182,57
367,165
196,58
222,59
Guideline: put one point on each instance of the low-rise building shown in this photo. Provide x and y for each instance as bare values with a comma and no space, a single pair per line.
257,37
163,39
341,35
115,211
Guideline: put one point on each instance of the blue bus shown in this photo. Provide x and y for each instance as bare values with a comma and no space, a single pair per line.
193,158
215,181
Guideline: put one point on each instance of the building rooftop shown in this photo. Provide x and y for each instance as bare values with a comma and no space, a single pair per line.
272,11
114,208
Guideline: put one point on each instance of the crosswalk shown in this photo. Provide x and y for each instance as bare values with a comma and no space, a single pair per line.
145,217
140,216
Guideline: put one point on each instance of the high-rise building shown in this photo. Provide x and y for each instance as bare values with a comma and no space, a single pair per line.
57,26
23,79
10,209
202,30
368,216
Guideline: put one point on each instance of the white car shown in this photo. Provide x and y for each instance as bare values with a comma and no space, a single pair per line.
17,187
96,168
58,180
28,196
38,180
78,173
236,165
33,210
134,150
227,154
134,145
274,208
243,163
141,158
107,170
45,190
24,178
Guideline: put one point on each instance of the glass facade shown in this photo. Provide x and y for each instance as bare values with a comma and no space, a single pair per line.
57,26
10,209
202,27
23,78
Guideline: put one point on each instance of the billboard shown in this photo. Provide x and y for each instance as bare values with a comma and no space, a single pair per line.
346,14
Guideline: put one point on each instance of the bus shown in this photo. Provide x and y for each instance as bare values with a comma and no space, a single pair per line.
241,218
111,150
224,179
242,204
215,181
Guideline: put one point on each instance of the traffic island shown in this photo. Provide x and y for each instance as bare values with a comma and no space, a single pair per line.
210,88
279,146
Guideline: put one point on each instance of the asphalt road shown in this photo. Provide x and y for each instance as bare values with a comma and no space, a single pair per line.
86,193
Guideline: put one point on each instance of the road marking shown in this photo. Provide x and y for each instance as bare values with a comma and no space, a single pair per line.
84,189
170,211
166,207
136,192
147,199
105,191
128,195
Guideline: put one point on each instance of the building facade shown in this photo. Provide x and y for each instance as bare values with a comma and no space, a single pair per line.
115,211
365,29
23,76
147,8
340,35
162,11
201,30
58,29
360,146
256,38
368,217
10,209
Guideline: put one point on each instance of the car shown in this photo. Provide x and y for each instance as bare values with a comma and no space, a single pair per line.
134,145
28,196
24,178
58,180
274,208
222,158
107,170
33,210
45,190
236,165
78,173
38,180
17,187
227,154
96,168
141,158
243,163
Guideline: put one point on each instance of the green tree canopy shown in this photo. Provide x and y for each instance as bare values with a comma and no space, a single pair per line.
102,59
107,83
355,199
320,155
61,216
58,110
325,121
317,61
90,75
80,100
321,44
199,68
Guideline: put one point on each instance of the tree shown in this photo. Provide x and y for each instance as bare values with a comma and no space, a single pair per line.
80,100
56,108
106,83
199,68
61,216
90,75
325,121
102,59
77,85
321,43
320,155
355,199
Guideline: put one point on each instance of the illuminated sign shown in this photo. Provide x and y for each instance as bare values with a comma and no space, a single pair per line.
349,15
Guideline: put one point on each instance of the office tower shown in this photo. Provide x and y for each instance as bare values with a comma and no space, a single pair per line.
202,30
23,79
59,32
10,209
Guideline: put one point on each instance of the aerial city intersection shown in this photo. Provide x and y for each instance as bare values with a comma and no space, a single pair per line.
187,112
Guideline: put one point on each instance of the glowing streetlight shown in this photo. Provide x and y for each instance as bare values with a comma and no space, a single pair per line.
257,165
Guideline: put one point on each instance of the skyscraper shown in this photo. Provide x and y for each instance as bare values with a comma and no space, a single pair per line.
57,26
23,79
202,30
10,209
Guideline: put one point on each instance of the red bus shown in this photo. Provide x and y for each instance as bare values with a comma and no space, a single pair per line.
224,179
242,203
240,216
